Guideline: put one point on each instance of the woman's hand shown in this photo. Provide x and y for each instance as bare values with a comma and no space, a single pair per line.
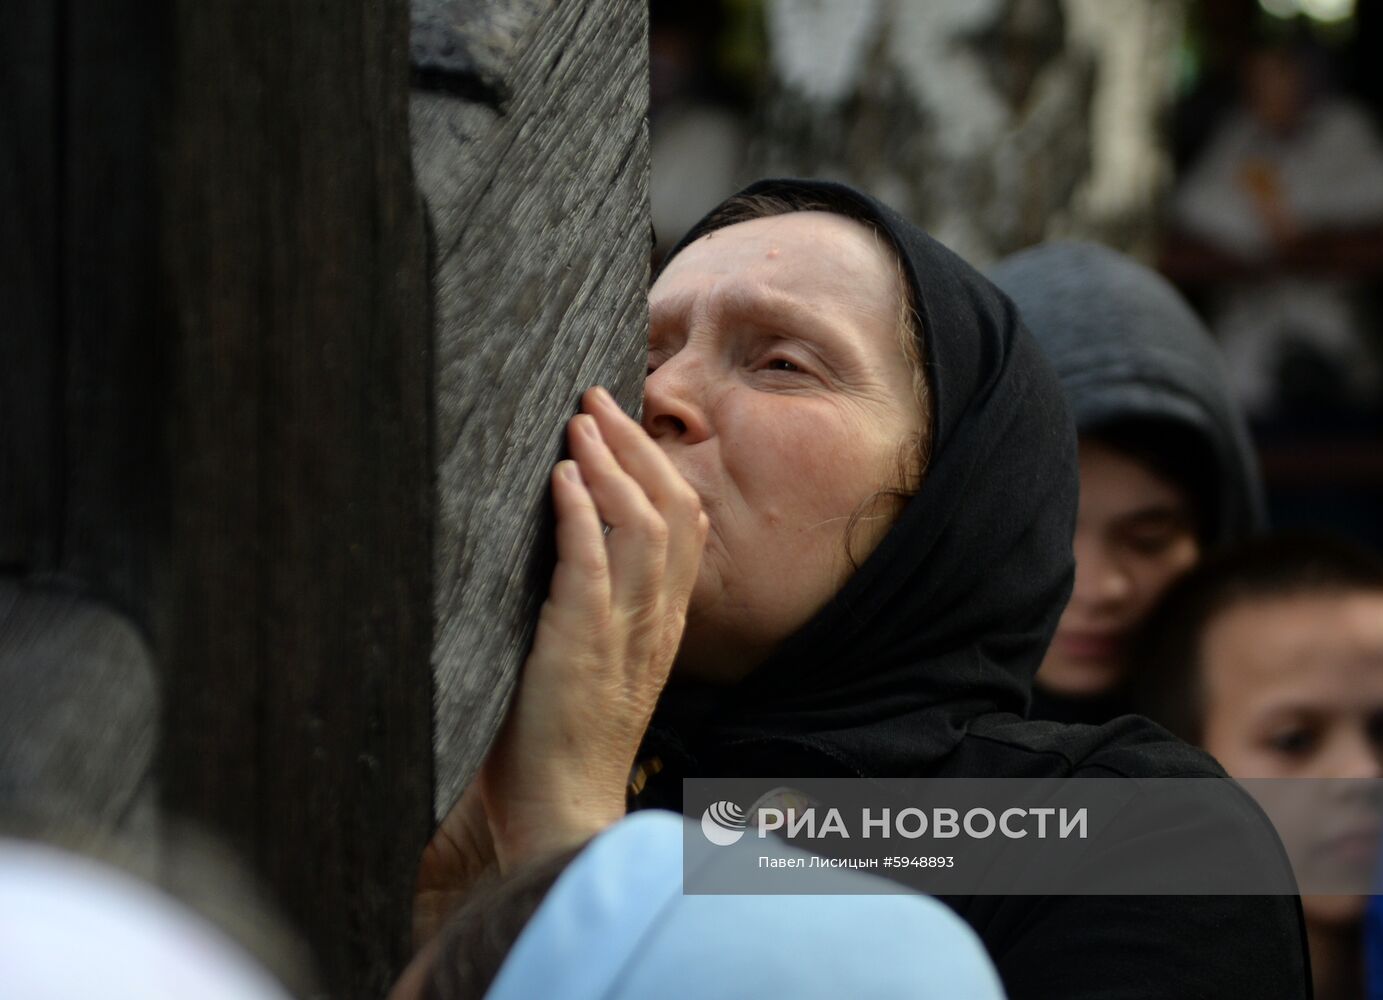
606,637
460,854
605,643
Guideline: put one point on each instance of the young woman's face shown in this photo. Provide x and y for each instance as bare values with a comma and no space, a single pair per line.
1135,534
778,386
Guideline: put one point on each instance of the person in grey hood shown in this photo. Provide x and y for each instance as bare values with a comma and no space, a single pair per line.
1167,471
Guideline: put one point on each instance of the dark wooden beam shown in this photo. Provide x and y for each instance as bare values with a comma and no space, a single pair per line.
224,418
295,588
215,416
31,96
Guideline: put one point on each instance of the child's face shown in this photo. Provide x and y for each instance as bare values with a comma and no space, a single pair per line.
1293,688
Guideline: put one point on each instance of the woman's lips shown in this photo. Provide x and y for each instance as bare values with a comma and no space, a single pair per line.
1089,645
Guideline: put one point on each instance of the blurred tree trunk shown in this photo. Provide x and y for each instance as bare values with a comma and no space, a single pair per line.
993,123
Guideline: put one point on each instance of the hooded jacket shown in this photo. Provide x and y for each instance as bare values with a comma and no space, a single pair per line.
922,664
1127,347
1131,355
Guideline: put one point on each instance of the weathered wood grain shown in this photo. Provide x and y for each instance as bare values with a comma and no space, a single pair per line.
538,201
79,712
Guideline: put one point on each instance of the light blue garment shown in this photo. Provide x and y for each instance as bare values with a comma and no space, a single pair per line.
617,925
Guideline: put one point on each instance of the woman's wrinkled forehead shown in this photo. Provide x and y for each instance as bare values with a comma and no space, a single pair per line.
815,256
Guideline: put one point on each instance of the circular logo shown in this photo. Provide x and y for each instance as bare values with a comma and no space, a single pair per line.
723,823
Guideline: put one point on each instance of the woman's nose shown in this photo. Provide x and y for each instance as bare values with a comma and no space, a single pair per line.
1100,578
673,401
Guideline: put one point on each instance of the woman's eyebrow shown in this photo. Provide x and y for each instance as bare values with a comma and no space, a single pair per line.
1156,515
768,309
1289,706
787,315
669,310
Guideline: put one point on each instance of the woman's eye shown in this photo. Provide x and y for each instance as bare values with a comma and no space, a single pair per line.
781,365
1148,546
1293,742
1151,544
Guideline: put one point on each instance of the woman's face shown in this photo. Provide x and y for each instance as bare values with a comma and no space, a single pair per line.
1135,534
778,386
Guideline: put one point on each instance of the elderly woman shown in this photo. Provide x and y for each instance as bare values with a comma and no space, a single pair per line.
884,472
1167,472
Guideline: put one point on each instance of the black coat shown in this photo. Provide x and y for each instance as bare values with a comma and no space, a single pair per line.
1116,947
922,665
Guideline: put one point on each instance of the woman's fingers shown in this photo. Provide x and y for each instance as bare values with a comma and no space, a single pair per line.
638,538
605,639
640,456
649,466
581,581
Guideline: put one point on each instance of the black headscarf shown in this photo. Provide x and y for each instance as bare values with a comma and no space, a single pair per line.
1131,353
950,616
